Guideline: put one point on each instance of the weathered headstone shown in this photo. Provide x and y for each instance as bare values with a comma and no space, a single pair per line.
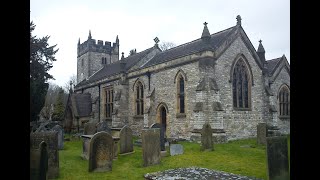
115,147
162,144
89,128
176,149
103,126
85,146
262,133
277,158
101,152
51,139
151,146
206,138
59,129
126,144
39,162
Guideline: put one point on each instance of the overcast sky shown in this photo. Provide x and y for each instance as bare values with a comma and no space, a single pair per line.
138,22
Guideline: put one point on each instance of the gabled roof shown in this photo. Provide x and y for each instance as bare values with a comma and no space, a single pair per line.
81,104
115,68
271,64
274,64
195,46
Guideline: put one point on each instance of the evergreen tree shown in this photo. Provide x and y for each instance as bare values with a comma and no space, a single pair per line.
41,58
58,112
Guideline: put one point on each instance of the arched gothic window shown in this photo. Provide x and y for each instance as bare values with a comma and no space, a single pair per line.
241,86
284,102
180,95
109,102
139,98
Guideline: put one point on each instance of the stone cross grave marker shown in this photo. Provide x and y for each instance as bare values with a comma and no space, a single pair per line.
206,138
277,158
59,129
151,146
89,128
126,144
51,139
39,162
101,152
162,144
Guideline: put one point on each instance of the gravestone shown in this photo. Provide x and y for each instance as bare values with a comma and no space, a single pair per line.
126,144
39,162
162,144
103,126
151,146
206,138
85,146
262,133
277,158
176,149
101,152
59,129
51,139
115,147
89,128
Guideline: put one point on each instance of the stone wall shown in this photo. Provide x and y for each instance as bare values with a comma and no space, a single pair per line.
239,124
163,91
282,78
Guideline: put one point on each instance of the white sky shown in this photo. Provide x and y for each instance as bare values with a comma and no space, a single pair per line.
138,22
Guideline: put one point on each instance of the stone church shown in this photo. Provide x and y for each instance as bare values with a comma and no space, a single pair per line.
219,78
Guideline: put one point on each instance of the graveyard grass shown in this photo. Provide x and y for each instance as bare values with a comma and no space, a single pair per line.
243,157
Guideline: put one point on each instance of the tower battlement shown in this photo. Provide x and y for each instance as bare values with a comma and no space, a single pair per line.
96,46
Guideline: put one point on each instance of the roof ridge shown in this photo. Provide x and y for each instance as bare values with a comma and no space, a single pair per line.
196,40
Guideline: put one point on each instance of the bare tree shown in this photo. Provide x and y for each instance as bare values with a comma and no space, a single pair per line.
166,45
132,52
50,100
72,82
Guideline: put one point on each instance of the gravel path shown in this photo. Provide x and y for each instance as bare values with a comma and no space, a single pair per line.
194,173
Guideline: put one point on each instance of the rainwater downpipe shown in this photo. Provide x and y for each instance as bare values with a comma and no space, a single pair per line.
99,103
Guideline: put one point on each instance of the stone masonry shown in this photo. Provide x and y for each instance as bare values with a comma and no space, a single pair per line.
208,94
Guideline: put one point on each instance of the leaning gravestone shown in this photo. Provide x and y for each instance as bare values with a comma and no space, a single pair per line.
262,133
51,139
277,158
39,162
176,149
59,129
101,152
103,126
151,146
126,144
162,144
206,138
89,128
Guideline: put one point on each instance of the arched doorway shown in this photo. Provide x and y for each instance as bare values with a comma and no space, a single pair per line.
162,118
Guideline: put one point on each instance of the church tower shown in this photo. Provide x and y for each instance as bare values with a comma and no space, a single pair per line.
92,56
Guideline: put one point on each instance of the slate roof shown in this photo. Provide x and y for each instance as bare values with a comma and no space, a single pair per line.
271,64
191,47
115,68
81,104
